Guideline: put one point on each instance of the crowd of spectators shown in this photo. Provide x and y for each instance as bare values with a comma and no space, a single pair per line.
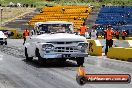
11,4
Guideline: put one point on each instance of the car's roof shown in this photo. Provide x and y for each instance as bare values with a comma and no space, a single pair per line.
53,22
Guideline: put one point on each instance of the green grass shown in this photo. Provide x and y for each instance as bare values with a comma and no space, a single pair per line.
16,1
8,14
41,3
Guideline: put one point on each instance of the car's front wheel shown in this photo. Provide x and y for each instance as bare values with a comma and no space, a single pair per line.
5,42
41,61
26,55
1,43
80,61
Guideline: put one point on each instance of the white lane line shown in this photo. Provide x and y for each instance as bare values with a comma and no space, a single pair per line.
1,57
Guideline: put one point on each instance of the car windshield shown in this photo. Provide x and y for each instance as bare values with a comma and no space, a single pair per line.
56,28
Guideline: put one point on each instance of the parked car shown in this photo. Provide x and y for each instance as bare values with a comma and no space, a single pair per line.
3,38
57,41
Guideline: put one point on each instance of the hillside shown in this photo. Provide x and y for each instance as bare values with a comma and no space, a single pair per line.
40,3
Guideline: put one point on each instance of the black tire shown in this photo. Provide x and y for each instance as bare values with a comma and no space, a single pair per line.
5,42
41,61
26,55
80,61
1,43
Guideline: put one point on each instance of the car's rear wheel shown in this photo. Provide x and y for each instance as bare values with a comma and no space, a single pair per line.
26,55
41,61
80,61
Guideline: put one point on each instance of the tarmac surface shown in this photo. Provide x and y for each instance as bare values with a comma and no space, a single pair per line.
15,72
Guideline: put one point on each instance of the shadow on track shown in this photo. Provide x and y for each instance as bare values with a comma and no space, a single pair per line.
51,64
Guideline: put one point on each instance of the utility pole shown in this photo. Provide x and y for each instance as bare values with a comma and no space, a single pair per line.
1,10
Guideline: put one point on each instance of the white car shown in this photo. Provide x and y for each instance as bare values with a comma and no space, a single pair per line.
3,38
57,42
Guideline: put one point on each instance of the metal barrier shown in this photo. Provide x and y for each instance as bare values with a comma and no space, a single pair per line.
10,33
120,53
95,47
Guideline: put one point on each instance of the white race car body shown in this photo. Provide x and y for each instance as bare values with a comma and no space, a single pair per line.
59,40
57,45
3,38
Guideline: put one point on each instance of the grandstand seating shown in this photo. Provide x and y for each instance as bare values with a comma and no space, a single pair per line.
120,17
75,14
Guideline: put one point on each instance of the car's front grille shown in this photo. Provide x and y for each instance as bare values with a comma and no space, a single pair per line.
65,49
64,42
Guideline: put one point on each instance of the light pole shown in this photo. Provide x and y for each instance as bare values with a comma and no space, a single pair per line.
1,9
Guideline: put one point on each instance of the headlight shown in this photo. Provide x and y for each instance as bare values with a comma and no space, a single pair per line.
82,46
47,47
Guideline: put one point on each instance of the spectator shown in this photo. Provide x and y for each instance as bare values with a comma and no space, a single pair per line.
9,33
86,11
32,32
83,29
127,31
63,10
117,33
75,18
79,18
93,34
25,34
26,5
12,34
128,14
109,36
31,5
18,4
124,35
11,4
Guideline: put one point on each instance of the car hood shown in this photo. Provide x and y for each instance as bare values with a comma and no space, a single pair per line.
2,35
61,37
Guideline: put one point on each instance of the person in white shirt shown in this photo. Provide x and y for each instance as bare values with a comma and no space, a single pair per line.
93,33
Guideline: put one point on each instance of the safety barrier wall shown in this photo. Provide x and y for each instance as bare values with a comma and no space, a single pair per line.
122,50
120,53
95,47
10,33
117,43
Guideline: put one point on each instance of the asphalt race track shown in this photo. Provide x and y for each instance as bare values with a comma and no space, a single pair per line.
15,72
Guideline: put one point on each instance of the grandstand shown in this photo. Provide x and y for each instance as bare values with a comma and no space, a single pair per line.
120,17
75,14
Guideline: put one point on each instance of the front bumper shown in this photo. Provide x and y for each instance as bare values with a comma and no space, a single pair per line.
2,41
65,55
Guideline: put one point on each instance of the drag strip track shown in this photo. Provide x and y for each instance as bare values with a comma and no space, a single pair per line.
12,50
16,72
